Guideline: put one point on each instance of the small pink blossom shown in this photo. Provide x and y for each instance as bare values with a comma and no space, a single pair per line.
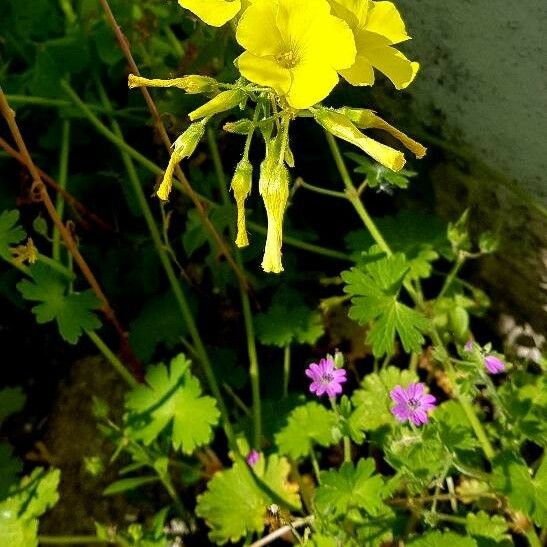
493,364
412,404
468,346
326,378
253,457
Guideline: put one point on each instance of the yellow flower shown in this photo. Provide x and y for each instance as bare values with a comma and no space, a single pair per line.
377,26
213,12
294,47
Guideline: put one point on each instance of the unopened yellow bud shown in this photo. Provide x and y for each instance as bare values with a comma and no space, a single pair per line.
222,102
341,126
183,147
365,119
274,189
192,84
241,186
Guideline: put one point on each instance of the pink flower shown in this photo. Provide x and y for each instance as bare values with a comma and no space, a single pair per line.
326,378
252,457
468,346
493,364
412,403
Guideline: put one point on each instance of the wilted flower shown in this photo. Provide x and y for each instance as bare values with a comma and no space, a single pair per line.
326,378
296,48
253,457
412,403
493,364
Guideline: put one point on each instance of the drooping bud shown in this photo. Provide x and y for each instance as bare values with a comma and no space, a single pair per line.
274,189
341,126
192,84
366,119
220,103
241,186
239,127
183,147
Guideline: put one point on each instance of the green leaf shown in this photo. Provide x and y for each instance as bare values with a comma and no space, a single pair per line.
15,531
158,322
234,505
10,232
172,395
372,401
73,312
375,288
10,466
439,539
307,425
351,487
510,476
491,527
288,320
12,400
123,485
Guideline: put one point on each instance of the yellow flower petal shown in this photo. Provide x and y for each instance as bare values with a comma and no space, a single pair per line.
361,73
213,12
385,19
257,31
304,95
354,12
264,71
400,70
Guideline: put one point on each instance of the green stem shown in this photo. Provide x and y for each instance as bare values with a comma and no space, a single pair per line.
286,369
112,359
176,287
347,449
354,198
317,189
451,276
245,303
72,540
532,537
57,266
315,465
62,179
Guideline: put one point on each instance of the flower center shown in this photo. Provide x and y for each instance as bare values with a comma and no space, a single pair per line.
413,404
289,59
326,379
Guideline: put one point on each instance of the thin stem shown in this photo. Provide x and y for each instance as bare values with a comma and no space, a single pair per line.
72,540
286,369
57,266
299,183
112,359
347,449
315,465
533,537
176,287
245,303
452,276
280,532
63,175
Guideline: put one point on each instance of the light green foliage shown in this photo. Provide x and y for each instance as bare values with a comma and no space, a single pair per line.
511,477
288,320
421,237
351,487
19,513
171,395
440,539
73,311
10,232
481,524
372,401
234,505
307,425
375,288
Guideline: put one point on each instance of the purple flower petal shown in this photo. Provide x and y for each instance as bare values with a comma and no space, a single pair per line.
253,457
326,378
412,403
493,364
468,346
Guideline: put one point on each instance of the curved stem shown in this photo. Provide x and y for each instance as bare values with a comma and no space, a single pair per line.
63,174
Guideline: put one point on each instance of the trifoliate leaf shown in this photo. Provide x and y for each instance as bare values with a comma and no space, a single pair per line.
375,288
288,320
307,425
10,232
492,527
12,400
351,487
372,401
172,395
159,322
73,312
234,506
439,539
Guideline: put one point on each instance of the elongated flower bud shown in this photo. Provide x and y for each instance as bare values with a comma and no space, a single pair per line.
240,127
274,189
241,186
192,84
183,147
341,126
222,102
364,119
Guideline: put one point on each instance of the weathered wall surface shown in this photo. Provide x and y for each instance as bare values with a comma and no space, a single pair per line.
483,90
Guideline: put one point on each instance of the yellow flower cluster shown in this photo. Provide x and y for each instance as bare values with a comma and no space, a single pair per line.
299,48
